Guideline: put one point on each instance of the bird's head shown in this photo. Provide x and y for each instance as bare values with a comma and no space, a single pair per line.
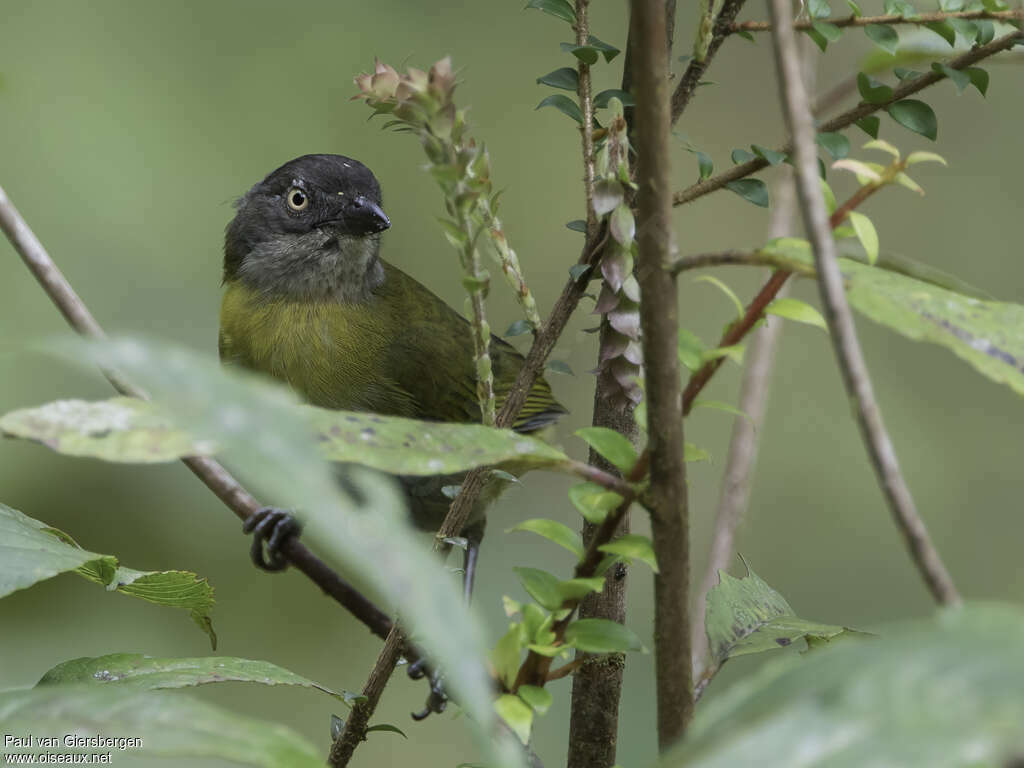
310,229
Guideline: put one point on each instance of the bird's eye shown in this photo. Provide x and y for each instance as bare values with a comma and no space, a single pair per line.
297,199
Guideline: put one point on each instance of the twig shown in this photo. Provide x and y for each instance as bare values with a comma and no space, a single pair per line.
850,116
840,320
601,477
210,472
740,258
695,69
583,90
659,321
864,21
566,669
354,731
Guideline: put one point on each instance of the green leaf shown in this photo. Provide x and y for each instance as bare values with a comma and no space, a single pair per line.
538,698
854,8
729,292
558,8
576,271
507,653
829,32
601,100
559,366
622,225
360,525
871,90
740,156
986,31
884,36
747,616
30,552
577,225
773,157
602,636
942,691
541,586
518,328
634,547
120,429
516,713
866,233
691,350
829,195
836,144
608,51
612,445
565,78
563,104
966,30
721,405
944,30
817,37
979,78
387,728
819,9
960,79
692,453
902,8
554,531
593,502
916,116
870,125
798,311
706,167
752,190
166,725
136,672
577,589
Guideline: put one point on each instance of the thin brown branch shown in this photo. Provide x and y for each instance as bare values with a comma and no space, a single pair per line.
566,669
740,259
695,70
354,731
659,322
210,472
864,21
837,312
849,117
605,478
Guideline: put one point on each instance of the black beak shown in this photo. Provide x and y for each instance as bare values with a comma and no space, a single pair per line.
364,217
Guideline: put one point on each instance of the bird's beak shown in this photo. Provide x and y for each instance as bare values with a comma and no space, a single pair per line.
365,217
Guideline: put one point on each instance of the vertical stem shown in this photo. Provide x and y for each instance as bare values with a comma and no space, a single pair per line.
796,107
659,321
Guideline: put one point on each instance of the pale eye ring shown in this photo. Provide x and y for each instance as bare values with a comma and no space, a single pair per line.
297,199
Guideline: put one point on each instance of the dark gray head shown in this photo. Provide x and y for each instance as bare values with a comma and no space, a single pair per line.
310,229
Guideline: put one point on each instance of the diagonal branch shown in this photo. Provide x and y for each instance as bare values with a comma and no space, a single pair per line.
851,116
889,18
210,472
796,107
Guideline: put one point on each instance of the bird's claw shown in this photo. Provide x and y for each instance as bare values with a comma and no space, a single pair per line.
437,700
270,529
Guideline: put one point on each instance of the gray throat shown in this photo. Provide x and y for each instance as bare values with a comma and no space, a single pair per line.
315,266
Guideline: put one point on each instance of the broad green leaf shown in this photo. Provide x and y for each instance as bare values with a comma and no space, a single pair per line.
866,233
608,51
773,157
554,531
747,616
836,144
593,502
902,8
706,167
559,366
119,429
167,725
739,156
518,328
565,78
136,672
884,36
829,32
979,79
691,350
30,551
943,691
871,90
602,636
870,125
577,589
634,547
798,311
558,8
517,715
538,698
507,654
612,445
361,525
541,586
563,104
916,116
960,79
944,30
819,9
752,190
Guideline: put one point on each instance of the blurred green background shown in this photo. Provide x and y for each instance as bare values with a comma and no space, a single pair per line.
129,127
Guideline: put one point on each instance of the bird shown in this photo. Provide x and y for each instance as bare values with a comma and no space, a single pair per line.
309,301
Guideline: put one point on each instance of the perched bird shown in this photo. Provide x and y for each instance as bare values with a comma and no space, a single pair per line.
309,301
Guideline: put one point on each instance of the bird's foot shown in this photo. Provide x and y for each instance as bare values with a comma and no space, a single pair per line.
437,699
270,529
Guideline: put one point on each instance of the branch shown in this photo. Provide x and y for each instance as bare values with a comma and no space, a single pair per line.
210,472
840,320
849,117
695,70
659,321
864,21
740,258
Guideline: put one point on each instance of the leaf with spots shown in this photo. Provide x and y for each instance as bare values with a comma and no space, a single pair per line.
137,672
747,616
